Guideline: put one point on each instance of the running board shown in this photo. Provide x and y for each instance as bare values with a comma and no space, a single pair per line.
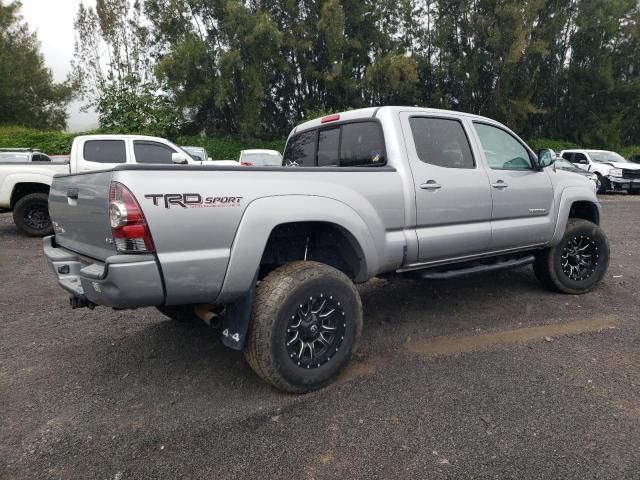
476,269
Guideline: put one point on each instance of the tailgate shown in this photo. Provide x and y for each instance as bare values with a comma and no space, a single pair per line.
79,209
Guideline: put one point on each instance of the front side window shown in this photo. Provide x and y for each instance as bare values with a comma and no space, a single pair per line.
580,158
441,142
300,150
105,151
567,156
152,152
502,150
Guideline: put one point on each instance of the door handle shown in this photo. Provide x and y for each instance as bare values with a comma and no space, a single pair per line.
430,185
72,193
499,184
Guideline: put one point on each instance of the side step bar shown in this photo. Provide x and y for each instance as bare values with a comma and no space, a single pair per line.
473,269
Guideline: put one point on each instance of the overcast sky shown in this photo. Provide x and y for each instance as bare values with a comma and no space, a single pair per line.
53,22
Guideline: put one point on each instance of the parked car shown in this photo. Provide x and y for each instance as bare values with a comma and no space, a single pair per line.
22,155
562,164
274,254
614,171
197,153
260,158
24,185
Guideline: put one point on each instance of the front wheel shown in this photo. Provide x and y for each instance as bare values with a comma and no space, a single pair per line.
31,215
576,264
305,325
603,184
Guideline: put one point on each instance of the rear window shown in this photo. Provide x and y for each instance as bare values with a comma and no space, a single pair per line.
361,145
357,144
105,151
152,152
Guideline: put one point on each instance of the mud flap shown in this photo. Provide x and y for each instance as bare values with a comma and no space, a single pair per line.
235,321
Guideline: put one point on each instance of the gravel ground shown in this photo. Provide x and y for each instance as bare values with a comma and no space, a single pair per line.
490,377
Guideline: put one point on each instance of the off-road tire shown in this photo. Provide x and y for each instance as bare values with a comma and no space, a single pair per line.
21,211
277,299
548,264
604,185
180,313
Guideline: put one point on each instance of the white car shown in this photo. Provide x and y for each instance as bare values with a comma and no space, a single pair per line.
613,170
260,158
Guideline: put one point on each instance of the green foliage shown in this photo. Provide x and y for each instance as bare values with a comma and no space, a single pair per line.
52,142
59,143
28,95
137,109
547,68
555,145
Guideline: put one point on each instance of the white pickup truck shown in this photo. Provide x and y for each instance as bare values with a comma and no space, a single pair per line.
613,170
24,187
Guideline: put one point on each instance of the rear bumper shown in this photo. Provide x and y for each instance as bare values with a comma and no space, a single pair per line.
122,281
618,183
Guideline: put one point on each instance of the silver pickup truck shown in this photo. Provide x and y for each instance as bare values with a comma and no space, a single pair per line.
273,253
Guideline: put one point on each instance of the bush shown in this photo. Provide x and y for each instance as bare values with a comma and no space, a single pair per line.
555,145
59,143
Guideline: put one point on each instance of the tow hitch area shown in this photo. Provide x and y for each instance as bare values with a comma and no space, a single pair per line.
80,301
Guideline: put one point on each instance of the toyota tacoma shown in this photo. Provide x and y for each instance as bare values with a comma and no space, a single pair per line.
274,253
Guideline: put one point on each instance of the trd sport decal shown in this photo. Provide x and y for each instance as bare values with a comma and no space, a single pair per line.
192,200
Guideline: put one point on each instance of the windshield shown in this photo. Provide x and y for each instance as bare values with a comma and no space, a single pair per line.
604,157
196,153
14,157
263,159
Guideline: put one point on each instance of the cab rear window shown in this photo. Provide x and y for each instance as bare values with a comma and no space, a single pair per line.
353,144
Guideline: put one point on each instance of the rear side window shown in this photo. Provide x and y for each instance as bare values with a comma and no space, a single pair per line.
567,155
441,142
301,149
105,151
152,152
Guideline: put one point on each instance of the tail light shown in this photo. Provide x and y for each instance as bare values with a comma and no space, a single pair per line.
128,226
246,164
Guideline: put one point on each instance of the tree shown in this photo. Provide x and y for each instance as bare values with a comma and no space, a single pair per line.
115,70
28,94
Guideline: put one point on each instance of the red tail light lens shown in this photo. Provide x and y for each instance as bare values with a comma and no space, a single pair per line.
330,118
128,225
246,164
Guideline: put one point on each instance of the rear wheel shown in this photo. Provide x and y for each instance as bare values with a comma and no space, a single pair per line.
305,325
576,264
31,215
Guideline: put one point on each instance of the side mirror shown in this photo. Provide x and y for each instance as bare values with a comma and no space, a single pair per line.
179,158
546,157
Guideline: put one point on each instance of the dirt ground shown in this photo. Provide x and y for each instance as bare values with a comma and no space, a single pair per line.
488,377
